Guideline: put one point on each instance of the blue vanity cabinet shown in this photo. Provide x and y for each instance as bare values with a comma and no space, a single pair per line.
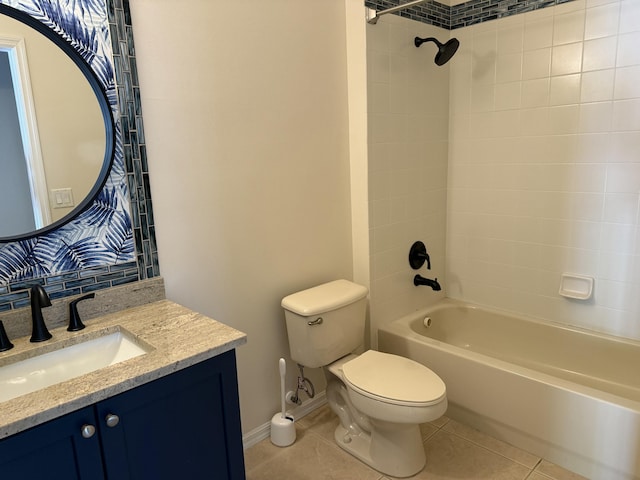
55,449
184,425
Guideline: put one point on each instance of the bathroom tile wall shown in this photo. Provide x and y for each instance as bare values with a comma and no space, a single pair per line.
544,169
408,129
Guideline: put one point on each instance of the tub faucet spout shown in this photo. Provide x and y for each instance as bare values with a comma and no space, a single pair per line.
39,299
420,280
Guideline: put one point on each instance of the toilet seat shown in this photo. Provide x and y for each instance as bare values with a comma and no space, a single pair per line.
393,379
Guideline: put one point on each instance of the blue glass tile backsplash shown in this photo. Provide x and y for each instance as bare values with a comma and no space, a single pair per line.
87,255
463,14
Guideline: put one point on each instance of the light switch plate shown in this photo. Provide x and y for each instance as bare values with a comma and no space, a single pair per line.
61,198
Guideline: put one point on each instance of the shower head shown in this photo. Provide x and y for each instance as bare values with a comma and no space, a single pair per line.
445,50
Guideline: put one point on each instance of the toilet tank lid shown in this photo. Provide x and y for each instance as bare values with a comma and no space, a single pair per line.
324,298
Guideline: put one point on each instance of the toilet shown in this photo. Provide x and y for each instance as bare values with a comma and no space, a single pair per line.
379,398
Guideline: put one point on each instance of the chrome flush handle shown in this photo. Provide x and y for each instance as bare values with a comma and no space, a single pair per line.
317,321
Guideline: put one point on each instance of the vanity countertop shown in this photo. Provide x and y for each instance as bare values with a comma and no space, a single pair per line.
179,337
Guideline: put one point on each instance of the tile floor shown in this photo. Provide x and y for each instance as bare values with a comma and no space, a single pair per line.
454,451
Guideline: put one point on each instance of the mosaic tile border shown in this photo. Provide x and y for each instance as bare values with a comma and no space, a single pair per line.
135,150
431,12
478,11
15,294
463,14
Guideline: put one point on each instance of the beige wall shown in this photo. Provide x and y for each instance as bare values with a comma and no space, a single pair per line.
408,115
544,170
245,108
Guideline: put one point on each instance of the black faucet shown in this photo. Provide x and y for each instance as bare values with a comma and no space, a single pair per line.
420,280
39,299
5,343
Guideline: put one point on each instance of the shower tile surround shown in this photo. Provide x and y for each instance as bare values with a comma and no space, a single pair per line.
14,294
408,117
544,169
540,162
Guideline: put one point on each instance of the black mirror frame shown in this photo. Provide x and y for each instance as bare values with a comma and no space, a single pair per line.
105,108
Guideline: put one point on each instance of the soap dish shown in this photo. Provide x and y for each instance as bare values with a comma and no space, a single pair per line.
579,287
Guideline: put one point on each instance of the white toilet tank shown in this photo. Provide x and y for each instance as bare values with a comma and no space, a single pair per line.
325,322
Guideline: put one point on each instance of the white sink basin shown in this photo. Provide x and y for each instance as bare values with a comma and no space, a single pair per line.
31,374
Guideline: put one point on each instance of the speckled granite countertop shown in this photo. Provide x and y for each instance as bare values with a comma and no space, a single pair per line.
179,337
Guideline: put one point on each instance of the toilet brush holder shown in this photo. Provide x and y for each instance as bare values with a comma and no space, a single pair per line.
283,430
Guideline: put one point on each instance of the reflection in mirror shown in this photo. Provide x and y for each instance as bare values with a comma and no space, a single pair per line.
16,209
58,143
24,194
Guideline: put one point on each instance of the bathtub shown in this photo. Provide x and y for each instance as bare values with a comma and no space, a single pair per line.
567,395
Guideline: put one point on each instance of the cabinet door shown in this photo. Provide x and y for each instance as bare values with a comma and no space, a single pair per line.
185,425
55,449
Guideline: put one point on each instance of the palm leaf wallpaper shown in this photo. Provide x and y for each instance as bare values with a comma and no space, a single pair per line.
105,240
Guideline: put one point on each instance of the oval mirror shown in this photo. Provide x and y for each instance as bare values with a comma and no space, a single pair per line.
56,129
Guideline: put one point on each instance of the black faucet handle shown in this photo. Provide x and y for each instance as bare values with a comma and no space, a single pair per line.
418,255
75,323
428,260
5,343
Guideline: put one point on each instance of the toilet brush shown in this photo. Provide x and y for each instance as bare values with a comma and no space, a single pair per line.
283,430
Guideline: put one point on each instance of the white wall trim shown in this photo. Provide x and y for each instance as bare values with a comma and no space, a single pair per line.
358,148
16,48
258,434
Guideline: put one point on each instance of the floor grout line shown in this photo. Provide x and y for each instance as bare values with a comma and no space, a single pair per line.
498,453
318,429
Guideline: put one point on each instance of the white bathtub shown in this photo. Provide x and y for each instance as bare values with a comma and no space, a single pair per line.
569,396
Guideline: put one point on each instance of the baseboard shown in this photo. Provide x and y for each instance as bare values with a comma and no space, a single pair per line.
258,434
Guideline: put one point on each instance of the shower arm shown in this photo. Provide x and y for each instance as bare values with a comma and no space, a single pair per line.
373,15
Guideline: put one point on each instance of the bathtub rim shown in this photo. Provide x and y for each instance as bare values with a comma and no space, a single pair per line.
447,301
401,326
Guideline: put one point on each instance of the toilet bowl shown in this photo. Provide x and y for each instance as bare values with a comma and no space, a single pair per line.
393,388
381,399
